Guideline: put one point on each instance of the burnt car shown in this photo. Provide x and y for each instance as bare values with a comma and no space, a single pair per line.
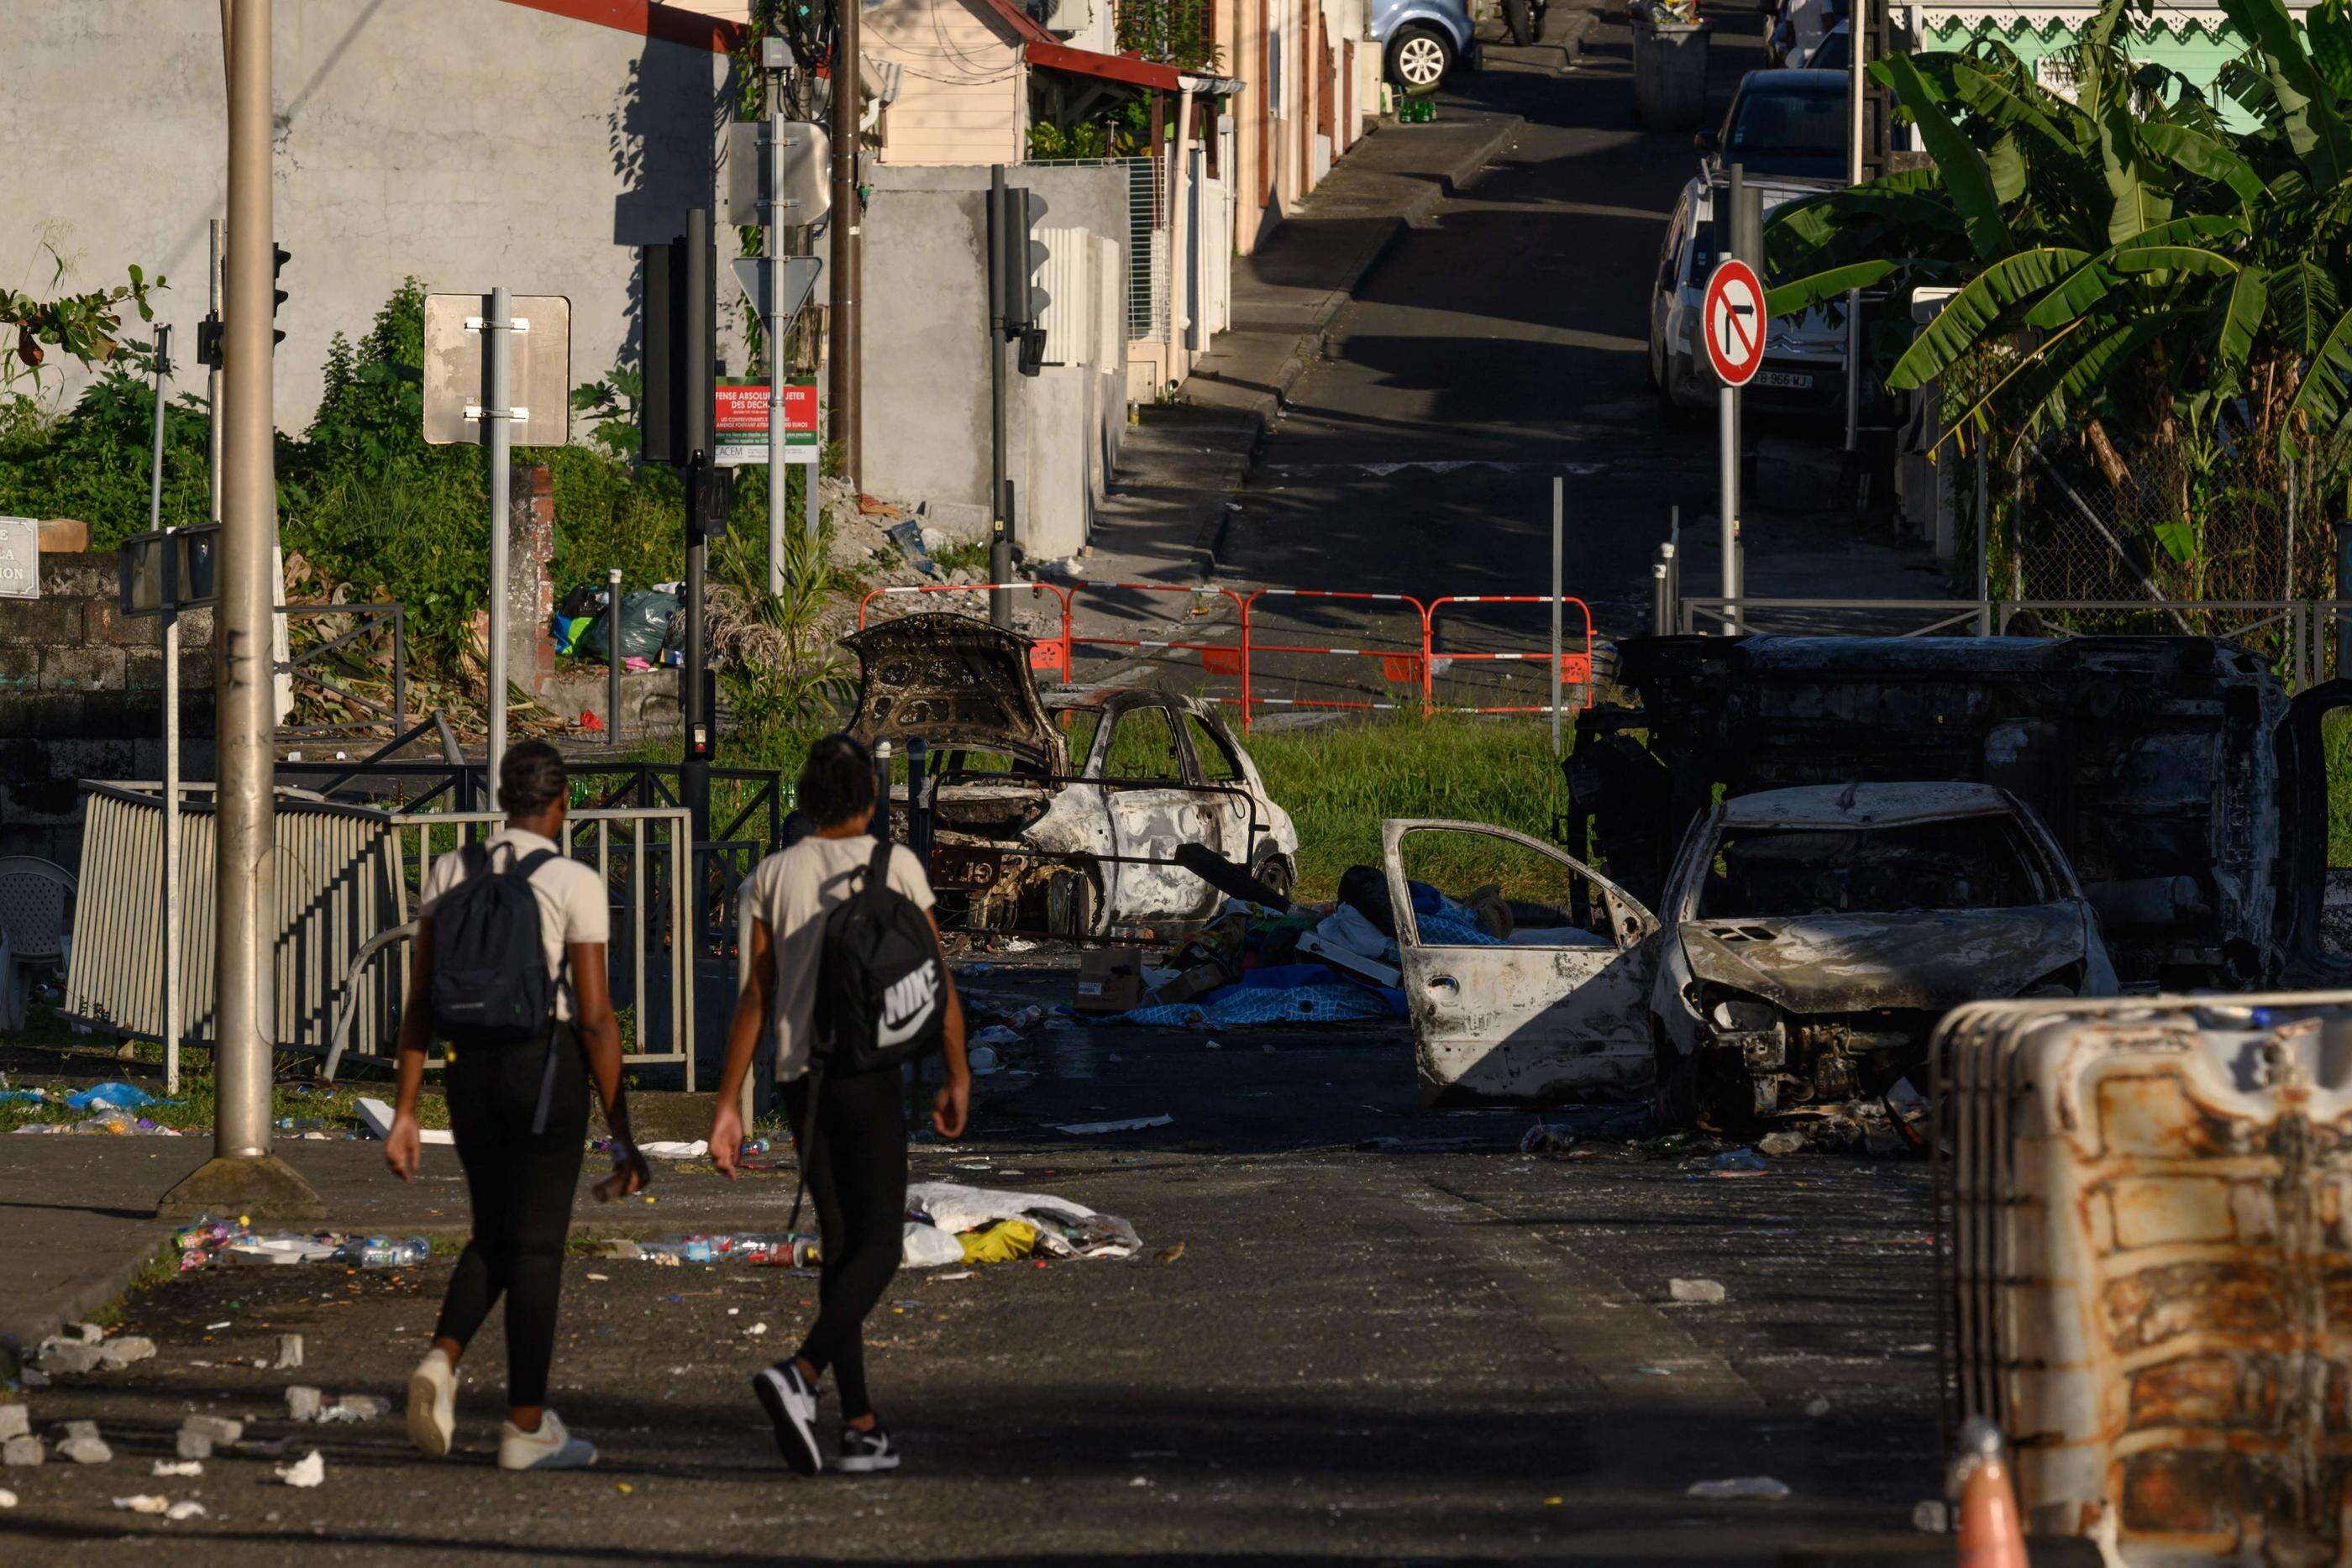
1807,942
1059,813
2184,786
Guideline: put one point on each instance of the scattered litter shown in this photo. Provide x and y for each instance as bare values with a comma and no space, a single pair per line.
355,1407
1786,1141
59,1355
1739,1487
112,1097
755,1331
1817,1405
290,1351
307,1472
999,1242
218,1428
183,1468
1656,1371
302,1403
186,1508
1696,1290
959,1274
1064,1229
926,1246
16,1420
376,1117
1739,1162
601,1279
8,1498
18,1452
1543,1138
382,1252
194,1446
144,1503
1931,1516
983,1061
996,1034
224,1323
124,1351
86,1450
1134,1124
1169,1254
663,1149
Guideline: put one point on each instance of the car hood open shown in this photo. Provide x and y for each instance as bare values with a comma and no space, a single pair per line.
954,681
1915,959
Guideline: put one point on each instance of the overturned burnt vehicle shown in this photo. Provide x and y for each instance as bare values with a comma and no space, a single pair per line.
1805,942
2184,786
1058,814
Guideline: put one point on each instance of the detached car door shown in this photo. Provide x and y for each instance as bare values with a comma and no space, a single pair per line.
1551,1013
1154,808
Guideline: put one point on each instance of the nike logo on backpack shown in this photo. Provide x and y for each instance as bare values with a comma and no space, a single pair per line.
907,1006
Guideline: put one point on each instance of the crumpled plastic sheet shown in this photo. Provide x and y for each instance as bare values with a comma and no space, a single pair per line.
1065,1228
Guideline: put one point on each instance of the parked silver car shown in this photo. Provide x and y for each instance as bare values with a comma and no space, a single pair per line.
1422,42
1804,355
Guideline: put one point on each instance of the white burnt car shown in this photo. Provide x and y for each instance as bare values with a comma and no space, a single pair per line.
1060,813
1810,938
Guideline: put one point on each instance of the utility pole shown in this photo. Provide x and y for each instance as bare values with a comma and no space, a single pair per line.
705,489
169,634
498,434
842,381
1857,53
1000,538
243,1176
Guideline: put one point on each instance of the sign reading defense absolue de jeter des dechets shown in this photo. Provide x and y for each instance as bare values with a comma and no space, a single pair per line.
740,422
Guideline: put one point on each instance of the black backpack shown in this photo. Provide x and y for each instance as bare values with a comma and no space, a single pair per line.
881,993
490,984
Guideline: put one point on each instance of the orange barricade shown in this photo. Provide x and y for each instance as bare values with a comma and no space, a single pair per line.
1575,667
1410,668
1216,658
1051,653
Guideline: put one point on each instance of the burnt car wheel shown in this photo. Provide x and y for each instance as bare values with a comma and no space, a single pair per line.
1673,1091
1274,870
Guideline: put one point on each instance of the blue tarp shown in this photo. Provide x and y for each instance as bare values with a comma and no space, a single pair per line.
1238,1006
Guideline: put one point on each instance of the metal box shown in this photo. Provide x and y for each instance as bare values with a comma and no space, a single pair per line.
2145,1274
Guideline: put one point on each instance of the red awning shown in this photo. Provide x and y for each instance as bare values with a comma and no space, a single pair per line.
1041,48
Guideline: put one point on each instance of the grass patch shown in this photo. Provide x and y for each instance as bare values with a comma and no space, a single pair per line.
1338,782
329,1108
160,1267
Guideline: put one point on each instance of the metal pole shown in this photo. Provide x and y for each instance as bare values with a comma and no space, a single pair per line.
1855,55
241,1172
1984,528
1558,510
170,635
843,378
774,305
612,656
1000,541
1727,423
497,429
701,724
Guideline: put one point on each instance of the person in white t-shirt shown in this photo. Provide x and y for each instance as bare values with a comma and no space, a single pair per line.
855,1154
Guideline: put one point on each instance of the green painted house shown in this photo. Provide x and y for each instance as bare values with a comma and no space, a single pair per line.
2195,40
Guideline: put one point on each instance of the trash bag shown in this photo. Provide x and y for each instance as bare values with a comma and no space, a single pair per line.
646,616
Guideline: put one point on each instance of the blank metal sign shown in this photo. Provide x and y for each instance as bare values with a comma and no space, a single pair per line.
538,369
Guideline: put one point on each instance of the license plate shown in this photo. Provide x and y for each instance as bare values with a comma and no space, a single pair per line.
970,869
1794,381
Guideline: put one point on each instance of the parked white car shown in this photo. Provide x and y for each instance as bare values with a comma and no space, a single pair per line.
1804,357
1810,938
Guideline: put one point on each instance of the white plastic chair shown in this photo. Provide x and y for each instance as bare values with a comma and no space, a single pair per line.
36,917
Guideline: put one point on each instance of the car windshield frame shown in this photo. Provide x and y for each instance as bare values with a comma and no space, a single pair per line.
2043,885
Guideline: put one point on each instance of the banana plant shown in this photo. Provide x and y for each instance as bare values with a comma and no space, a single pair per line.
2127,257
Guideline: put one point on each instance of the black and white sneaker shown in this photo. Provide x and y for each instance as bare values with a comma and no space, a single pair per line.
863,1453
791,1404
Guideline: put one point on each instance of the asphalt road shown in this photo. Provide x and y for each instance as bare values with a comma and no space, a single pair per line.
1389,1335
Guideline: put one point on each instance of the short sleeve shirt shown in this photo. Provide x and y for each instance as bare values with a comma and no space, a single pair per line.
571,898
792,891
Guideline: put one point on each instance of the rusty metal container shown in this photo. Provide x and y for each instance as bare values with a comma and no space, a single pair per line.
2146,1277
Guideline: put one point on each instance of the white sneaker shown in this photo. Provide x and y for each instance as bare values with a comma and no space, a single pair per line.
791,1405
433,1404
551,1447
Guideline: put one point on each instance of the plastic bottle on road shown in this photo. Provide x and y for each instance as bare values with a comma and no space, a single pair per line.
381,1252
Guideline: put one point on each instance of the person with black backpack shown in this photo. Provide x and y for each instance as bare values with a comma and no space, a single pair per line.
846,967
508,973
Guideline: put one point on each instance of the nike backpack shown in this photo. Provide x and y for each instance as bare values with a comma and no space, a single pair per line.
490,984
881,995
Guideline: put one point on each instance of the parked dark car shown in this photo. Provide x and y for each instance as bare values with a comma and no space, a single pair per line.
1790,123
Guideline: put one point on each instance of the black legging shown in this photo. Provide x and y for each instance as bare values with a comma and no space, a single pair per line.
856,1166
522,1186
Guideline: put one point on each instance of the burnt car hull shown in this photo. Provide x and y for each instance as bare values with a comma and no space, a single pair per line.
2176,774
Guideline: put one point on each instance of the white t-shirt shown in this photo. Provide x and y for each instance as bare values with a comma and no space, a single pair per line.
792,891
571,898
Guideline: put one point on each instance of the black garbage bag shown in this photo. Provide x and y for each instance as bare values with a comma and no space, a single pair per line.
644,626
1366,890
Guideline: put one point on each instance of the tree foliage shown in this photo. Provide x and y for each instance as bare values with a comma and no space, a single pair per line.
2130,259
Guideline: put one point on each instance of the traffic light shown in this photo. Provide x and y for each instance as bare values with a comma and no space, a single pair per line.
278,256
681,332
1020,258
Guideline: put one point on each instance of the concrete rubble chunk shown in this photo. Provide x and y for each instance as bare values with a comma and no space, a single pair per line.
91,1333
20,1451
219,1429
290,1351
124,1351
86,1450
16,1420
80,1429
194,1445
59,1355
1784,1142
1695,1291
356,1408
302,1402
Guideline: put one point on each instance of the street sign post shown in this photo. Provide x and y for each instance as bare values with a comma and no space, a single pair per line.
779,288
1731,320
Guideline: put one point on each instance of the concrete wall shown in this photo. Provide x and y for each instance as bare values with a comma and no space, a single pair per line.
927,368
466,142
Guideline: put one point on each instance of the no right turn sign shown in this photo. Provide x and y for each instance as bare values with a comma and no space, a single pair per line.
1732,315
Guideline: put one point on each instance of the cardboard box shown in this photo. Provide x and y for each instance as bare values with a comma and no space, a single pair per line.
1110,980
1195,981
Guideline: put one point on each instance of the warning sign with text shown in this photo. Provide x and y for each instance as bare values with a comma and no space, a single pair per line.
740,422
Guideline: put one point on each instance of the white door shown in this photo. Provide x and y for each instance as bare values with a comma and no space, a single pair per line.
1153,809
1557,1011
